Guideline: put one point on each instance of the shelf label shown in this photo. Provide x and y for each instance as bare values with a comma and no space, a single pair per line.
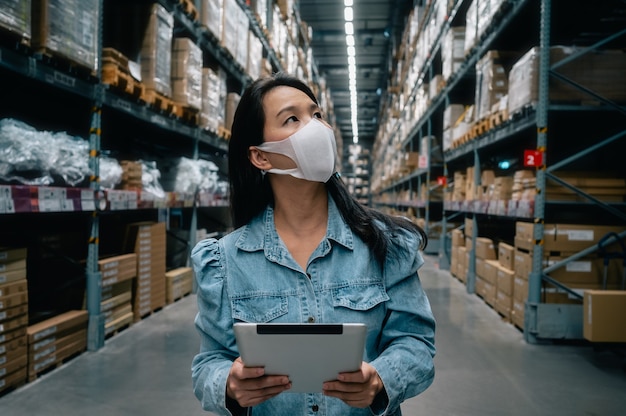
533,158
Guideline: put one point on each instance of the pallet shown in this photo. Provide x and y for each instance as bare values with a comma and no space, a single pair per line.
187,114
66,64
159,102
223,133
498,118
189,8
121,81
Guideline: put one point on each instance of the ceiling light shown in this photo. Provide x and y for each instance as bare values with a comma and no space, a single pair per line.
348,14
349,28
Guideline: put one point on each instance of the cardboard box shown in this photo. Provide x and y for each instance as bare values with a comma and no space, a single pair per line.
505,280
485,249
12,288
604,315
57,325
506,256
11,254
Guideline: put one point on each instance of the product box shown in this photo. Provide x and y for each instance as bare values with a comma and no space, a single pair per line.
67,28
503,304
116,269
485,249
604,315
211,16
600,71
179,282
490,271
505,280
58,325
12,288
506,256
562,237
8,255
187,73
520,288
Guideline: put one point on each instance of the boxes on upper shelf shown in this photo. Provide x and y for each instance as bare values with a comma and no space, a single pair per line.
67,29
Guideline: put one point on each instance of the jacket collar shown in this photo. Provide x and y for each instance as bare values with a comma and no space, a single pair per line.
260,233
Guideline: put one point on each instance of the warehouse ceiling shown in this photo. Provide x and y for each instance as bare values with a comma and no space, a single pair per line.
376,24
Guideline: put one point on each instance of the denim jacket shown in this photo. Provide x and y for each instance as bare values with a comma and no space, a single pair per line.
250,276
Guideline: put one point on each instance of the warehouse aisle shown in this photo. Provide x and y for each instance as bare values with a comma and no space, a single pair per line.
484,367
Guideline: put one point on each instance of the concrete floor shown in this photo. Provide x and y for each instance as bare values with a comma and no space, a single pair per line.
484,367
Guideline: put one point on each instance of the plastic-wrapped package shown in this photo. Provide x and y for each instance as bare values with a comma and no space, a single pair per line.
150,179
33,157
188,175
110,172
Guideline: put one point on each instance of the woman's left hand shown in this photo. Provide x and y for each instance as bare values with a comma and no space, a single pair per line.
357,389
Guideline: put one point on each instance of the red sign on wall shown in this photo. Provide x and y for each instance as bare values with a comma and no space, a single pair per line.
533,158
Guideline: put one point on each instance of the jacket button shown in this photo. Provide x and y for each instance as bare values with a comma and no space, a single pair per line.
311,319
315,408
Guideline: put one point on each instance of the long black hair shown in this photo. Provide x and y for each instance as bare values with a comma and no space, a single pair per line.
250,191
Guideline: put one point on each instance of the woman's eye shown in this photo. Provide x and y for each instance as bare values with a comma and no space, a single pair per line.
290,119
318,115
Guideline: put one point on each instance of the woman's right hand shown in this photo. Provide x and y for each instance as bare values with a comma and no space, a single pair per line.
250,386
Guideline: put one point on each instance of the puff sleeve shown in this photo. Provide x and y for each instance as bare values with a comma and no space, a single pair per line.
211,366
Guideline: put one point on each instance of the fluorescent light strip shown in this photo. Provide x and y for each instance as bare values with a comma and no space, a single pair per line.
348,15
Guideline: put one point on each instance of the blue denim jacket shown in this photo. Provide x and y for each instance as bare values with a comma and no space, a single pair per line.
250,276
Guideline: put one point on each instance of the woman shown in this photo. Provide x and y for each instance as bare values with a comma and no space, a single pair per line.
305,251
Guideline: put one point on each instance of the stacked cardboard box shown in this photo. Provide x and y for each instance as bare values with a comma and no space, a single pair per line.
600,71
211,16
13,318
53,341
118,275
179,282
460,255
213,99
491,81
452,51
131,175
505,278
148,241
604,314
602,186
156,51
67,28
560,241
486,268
187,73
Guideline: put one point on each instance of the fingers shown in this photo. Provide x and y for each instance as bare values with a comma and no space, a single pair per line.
250,386
357,389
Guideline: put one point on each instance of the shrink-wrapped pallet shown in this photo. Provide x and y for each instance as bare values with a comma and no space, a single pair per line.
67,29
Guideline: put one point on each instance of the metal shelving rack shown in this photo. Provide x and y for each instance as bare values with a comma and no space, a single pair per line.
30,67
543,322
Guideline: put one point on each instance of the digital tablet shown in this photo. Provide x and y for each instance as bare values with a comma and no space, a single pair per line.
309,354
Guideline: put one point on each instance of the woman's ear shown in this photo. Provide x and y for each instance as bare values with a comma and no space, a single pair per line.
258,158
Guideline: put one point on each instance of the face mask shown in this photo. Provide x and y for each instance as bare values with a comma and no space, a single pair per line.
312,148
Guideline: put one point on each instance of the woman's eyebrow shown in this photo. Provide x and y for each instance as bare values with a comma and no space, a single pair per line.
293,108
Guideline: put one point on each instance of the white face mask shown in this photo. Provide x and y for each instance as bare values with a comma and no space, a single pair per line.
312,148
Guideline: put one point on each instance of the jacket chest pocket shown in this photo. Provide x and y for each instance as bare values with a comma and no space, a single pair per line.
359,297
259,308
